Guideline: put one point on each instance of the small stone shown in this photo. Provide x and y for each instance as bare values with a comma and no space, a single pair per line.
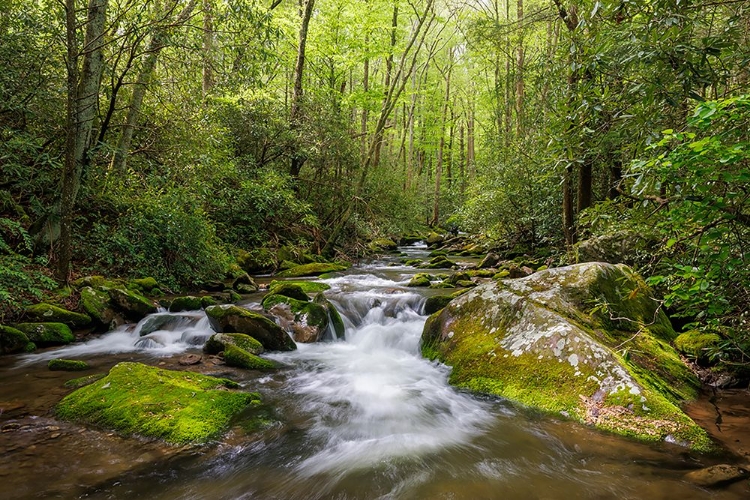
716,475
190,359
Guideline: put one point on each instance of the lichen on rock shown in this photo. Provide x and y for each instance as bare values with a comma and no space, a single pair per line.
586,341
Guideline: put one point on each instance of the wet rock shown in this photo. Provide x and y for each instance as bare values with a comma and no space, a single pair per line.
557,341
132,304
234,319
190,359
185,303
240,358
219,341
177,406
47,334
420,279
245,284
49,313
717,475
287,289
434,239
96,303
13,341
490,260
67,365
315,269
307,321
382,245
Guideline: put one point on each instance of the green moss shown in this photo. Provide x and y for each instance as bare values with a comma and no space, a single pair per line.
309,287
382,245
218,342
12,340
440,262
49,313
45,334
481,273
79,382
67,365
288,289
132,304
696,343
186,303
95,282
441,284
96,304
240,358
311,313
314,269
178,407
144,284
502,274
207,301
234,319
436,302
420,279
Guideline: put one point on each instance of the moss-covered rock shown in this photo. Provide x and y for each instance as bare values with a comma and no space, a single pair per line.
244,284
95,282
219,342
436,302
178,407
315,269
144,284
185,303
207,301
13,341
587,341
240,358
287,289
48,313
420,279
257,260
490,260
439,262
132,304
434,239
97,304
79,382
381,245
695,343
46,334
67,365
307,321
412,262
234,319
309,287
334,318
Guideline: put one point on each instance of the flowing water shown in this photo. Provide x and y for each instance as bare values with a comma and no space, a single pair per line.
363,417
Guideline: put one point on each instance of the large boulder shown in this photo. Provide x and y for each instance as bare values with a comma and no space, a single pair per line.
219,342
244,284
49,313
382,245
13,341
627,247
185,303
307,287
235,319
307,321
47,334
287,289
586,341
132,304
96,303
178,407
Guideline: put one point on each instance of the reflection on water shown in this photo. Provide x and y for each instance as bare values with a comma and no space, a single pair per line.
363,418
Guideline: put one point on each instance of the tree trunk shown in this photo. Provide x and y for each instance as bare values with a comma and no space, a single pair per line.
567,207
82,103
519,74
441,142
298,158
208,47
155,45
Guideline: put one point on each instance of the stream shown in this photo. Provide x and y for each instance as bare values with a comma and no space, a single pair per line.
362,417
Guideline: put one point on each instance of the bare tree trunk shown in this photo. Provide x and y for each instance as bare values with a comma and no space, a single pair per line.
567,207
298,158
388,75
155,45
519,74
470,157
82,103
208,47
441,142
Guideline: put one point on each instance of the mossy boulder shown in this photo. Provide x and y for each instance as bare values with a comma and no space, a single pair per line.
627,247
309,287
240,358
48,313
95,282
586,341
96,303
132,304
314,269
696,344
219,342
144,284
334,318
178,407
186,303
287,289
434,239
235,319
420,279
14,341
490,260
244,284
46,334
79,382
436,302
67,365
439,262
307,321
381,245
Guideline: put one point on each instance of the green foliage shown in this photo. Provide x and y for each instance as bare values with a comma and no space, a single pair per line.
22,279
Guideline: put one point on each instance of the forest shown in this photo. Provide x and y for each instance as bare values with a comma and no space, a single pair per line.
185,140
